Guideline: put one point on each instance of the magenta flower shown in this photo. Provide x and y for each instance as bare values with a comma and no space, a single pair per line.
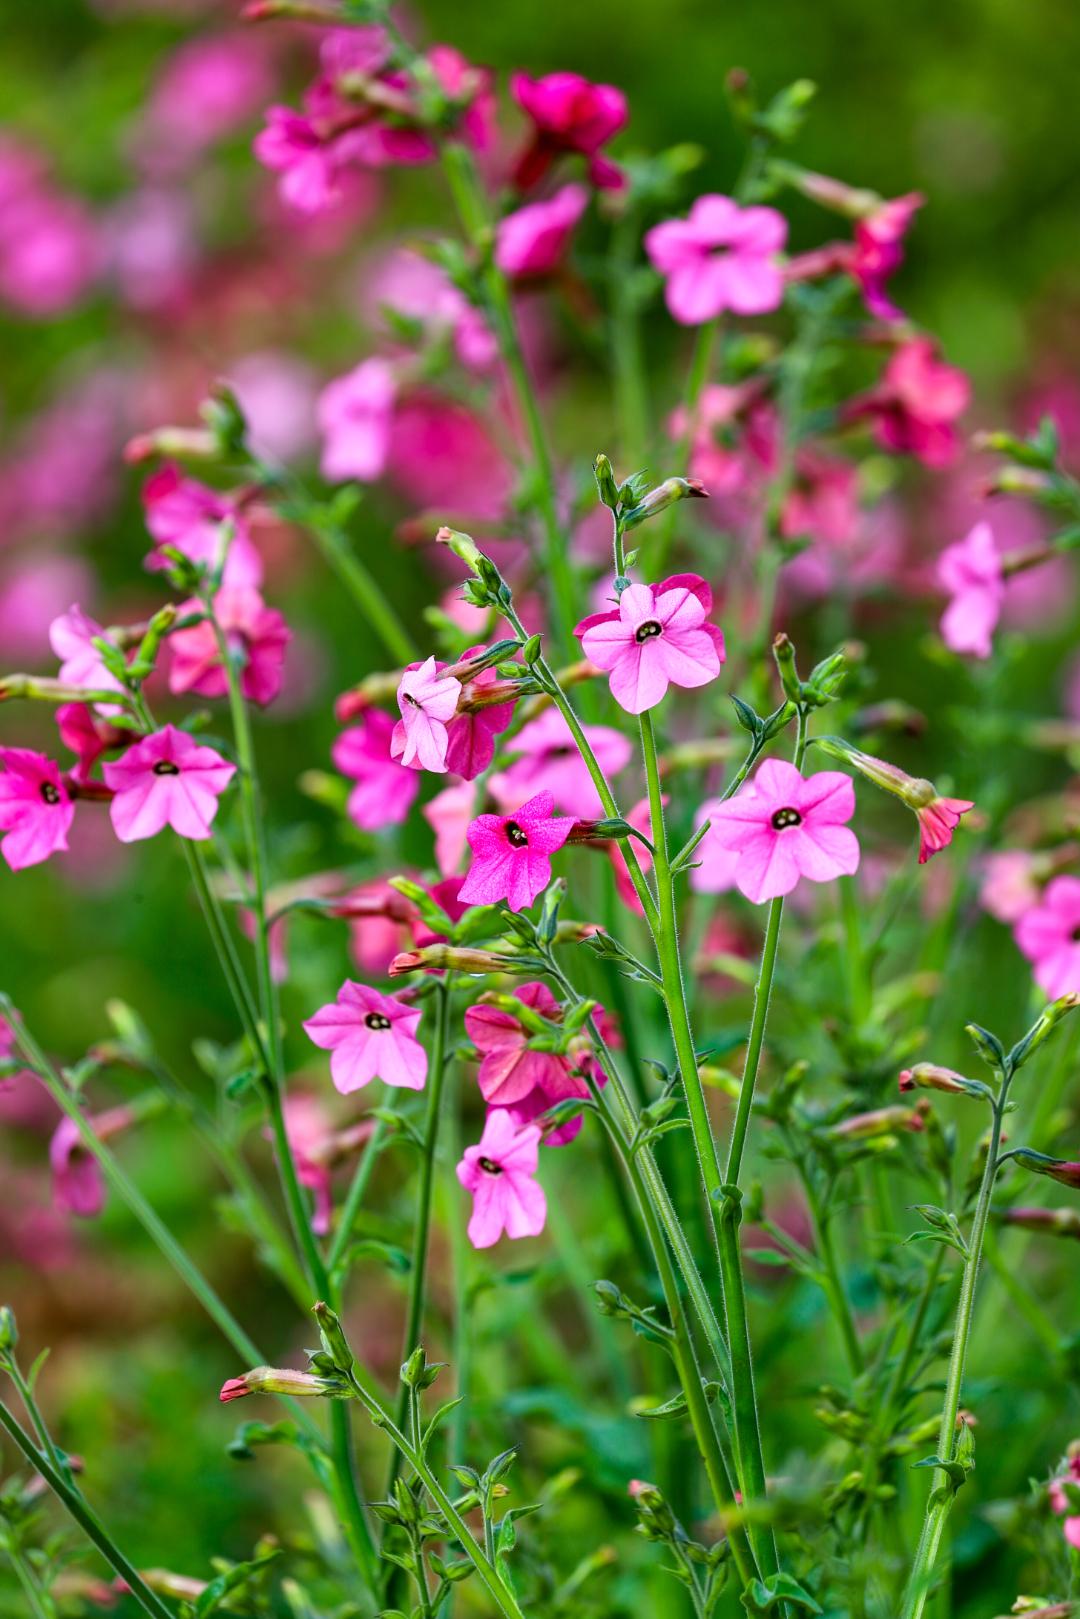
428,701
291,146
550,759
915,405
369,1036
658,635
971,572
71,637
720,257
569,114
88,735
470,736
449,814
77,1182
35,808
385,790
167,779
187,515
508,1069
938,821
355,413
499,1172
533,240
511,853
255,632
1049,935
878,251
788,826
1060,1504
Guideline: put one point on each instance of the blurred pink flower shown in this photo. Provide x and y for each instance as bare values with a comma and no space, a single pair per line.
308,1126
151,246
716,862
35,809
823,499
208,87
1009,886
369,1036
412,285
786,827
499,1172
549,758
291,146
533,240
167,779
659,635
385,790
189,515
915,406
81,664
1049,935
49,246
354,415
568,114
640,818
34,593
449,814
446,460
878,251
87,734
511,853
256,633
78,1184
971,572
1060,1503
720,257
427,701
277,392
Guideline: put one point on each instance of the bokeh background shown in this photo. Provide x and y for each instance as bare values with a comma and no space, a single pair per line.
193,273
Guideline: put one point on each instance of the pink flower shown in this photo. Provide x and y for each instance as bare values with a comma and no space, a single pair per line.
640,818
428,701
549,758
167,779
1009,886
411,285
915,405
355,413
533,240
569,114
823,501
385,790
511,853
721,257
508,1069
938,821
716,865
208,86
971,572
87,735
81,664
369,1036
449,815
658,635
49,252
35,809
1049,935
499,1172
188,515
878,251
78,1184
1059,1502
470,736
291,146
308,1128
254,632
788,826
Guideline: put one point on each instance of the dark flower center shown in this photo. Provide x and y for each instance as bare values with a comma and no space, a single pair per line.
412,701
516,836
49,793
648,631
490,1167
1075,935
377,1020
783,818
165,767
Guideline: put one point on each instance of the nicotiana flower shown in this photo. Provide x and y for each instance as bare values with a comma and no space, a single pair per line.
720,257
1060,1503
549,758
788,826
971,572
470,734
569,114
915,405
71,637
77,1182
36,810
385,790
449,815
714,871
1049,935
658,635
189,516
938,817
511,853
355,413
256,633
1010,884
533,240
528,1082
499,1172
428,701
369,1036
88,735
166,779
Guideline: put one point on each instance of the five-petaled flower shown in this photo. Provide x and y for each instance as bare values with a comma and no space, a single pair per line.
191,517
720,257
369,1036
549,758
36,810
511,853
569,114
72,638
167,779
915,406
355,414
499,1172
659,635
428,702
385,790
1049,935
788,826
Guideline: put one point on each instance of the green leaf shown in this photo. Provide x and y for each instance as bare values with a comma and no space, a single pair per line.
765,1596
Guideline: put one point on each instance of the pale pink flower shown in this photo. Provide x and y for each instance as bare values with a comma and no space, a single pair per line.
716,865
1010,886
470,736
499,1172
533,240
277,393
788,826
35,809
152,245
34,591
166,779
511,853
253,632
355,413
720,257
1049,935
823,498
658,635
385,790
81,664
308,1127
410,284
549,758
449,815
189,516
369,1036
427,701
569,114
915,406
971,572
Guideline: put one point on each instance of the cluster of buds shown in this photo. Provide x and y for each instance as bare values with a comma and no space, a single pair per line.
825,679
634,501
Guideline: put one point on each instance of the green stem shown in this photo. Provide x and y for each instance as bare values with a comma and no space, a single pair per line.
367,595
354,1197
696,378
87,1520
39,1600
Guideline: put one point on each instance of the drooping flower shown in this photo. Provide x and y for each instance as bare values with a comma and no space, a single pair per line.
254,632
71,637
549,758
639,816
36,810
189,516
971,572
1049,935
938,817
720,257
449,815
428,702
385,790
878,251
658,635
533,240
511,853
355,413
470,734
915,406
499,1172
569,114
788,826
369,1036
938,821
166,779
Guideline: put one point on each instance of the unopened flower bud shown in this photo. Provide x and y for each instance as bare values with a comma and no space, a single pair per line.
880,1121
463,546
1062,1170
1051,1222
605,482
784,653
664,495
447,957
182,443
931,1076
334,1340
9,1332
282,1380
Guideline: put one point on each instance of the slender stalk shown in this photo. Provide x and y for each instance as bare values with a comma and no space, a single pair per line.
87,1520
700,364
339,554
354,1197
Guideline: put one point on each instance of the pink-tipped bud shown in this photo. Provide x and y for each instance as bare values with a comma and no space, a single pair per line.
446,957
280,1380
187,443
1051,1222
931,1076
881,1121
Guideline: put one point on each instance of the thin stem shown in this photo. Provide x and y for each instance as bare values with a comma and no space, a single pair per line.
367,595
831,1278
696,378
354,1197
39,1600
